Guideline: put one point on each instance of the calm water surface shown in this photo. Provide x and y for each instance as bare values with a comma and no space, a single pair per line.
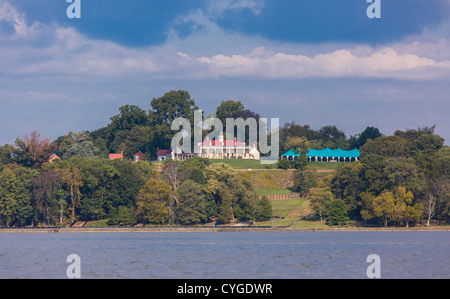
226,255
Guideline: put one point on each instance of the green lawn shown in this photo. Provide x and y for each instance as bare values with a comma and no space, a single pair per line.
285,212
241,163
323,165
256,164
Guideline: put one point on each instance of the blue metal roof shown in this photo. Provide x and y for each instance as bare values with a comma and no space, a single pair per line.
354,153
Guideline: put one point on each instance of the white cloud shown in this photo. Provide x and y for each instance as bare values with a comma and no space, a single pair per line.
84,81
378,63
65,51
17,20
216,8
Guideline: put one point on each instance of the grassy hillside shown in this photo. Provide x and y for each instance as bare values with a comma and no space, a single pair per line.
256,164
241,163
289,212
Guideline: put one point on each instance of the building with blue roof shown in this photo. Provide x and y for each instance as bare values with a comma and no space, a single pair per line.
328,155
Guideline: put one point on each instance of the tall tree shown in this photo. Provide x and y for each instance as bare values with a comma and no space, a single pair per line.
152,205
175,175
24,211
12,191
393,206
337,212
72,177
191,207
227,108
370,133
387,146
173,104
98,189
129,117
33,150
47,192
229,189
321,199
5,154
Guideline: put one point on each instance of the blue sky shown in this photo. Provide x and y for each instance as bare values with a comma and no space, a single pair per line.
315,62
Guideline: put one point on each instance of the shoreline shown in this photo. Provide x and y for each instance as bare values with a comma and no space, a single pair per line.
214,229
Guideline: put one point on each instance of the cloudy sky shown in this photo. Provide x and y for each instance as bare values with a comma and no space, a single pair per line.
315,62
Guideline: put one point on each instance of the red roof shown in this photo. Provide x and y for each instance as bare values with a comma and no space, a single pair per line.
115,156
164,152
140,155
220,143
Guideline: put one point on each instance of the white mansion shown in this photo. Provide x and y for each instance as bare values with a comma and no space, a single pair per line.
226,149
213,149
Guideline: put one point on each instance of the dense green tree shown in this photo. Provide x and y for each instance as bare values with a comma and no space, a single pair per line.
321,198
129,182
72,177
191,206
225,209
304,181
47,190
331,132
129,117
152,205
197,176
229,190
93,209
15,197
337,212
283,164
396,206
24,212
291,130
99,177
427,144
195,163
370,133
227,108
404,172
300,163
264,210
332,137
387,146
122,216
5,154
173,104
138,139
411,134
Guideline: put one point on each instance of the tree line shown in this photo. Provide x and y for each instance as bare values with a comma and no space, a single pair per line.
125,193
85,185
400,179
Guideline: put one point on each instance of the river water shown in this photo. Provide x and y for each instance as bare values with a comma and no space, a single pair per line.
226,255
